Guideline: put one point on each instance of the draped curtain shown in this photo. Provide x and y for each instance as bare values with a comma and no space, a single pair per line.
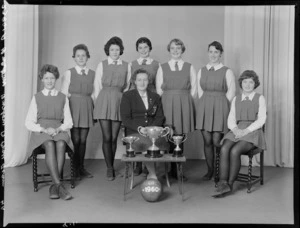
261,38
21,59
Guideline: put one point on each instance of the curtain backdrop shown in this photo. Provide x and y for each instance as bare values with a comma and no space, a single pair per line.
261,38
21,57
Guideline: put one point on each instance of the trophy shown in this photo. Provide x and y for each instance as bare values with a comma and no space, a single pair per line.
130,140
154,132
177,139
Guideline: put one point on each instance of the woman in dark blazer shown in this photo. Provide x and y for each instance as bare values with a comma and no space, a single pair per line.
141,107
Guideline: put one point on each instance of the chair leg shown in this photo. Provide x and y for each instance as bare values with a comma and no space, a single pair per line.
71,156
34,171
217,167
249,175
262,168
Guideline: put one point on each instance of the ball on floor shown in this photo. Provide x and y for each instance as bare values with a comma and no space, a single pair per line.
151,190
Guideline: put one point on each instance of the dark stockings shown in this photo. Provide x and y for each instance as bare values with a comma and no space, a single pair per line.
110,130
79,136
211,140
230,159
55,158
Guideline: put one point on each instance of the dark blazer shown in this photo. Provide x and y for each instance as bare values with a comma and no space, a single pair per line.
135,114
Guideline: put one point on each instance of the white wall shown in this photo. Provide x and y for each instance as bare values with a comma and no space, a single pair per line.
63,27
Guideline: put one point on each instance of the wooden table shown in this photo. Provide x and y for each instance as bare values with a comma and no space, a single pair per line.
129,162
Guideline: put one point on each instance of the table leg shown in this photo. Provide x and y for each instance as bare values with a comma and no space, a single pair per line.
125,179
180,177
132,176
166,173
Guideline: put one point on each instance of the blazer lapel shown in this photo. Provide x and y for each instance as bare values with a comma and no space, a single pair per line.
140,100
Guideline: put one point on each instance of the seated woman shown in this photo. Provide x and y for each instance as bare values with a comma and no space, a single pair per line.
246,118
49,119
141,107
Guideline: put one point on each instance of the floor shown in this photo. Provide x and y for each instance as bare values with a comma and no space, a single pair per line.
99,201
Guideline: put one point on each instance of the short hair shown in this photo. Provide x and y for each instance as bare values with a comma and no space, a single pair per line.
139,71
81,47
49,68
114,41
217,45
143,40
177,42
249,74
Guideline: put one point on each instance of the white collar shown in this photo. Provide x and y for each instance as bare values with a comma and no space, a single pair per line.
53,92
111,61
250,96
78,69
179,61
217,67
140,60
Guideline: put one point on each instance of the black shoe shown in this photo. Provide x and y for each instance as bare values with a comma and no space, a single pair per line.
53,192
137,171
110,174
84,173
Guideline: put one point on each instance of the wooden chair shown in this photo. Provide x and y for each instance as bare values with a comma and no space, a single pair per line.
248,178
39,178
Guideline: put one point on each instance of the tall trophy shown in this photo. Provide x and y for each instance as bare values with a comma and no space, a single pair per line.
130,140
154,132
177,140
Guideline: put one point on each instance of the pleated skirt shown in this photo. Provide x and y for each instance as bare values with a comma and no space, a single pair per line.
212,111
107,104
256,137
82,110
178,109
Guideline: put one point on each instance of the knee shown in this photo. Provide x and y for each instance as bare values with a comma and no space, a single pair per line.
49,145
235,152
60,144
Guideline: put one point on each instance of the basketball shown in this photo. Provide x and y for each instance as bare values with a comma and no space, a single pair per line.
151,190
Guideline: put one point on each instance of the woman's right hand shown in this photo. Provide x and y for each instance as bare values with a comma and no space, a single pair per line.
50,131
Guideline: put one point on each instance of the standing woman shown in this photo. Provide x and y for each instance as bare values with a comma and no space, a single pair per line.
144,47
216,89
176,83
111,80
77,84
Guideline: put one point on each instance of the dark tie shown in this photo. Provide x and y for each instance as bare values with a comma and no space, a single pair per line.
49,93
144,61
83,72
247,98
176,66
212,69
115,62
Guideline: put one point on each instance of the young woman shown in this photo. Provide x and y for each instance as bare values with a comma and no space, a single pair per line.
176,83
77,84
111,80
49,119
216,88
246,118
142,107
144,47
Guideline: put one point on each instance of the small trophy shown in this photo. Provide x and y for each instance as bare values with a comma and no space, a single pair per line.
130,140
177,140
154,132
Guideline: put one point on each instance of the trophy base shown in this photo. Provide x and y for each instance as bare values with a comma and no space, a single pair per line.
153,154
177,154
130,154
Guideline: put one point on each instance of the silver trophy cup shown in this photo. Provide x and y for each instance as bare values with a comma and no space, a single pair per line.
177,140
130,140
154,132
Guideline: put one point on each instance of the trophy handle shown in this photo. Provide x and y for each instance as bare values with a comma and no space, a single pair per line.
184,138
170,139
139,130
168,131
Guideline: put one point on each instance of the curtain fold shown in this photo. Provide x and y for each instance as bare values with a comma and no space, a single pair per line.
21,57
261,38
